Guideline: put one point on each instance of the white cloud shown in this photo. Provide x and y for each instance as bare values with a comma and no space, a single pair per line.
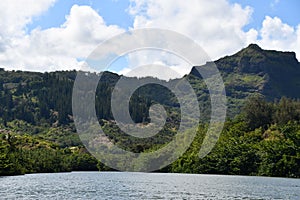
157,69
56,48
137,59
279,36
16,14
216,24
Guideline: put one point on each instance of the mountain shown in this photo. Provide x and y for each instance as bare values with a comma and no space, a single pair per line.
273,74
32,96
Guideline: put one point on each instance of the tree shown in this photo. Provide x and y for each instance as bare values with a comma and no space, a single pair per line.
286,110
6,167
258,112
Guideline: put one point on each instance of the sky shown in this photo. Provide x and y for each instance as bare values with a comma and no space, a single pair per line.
50,35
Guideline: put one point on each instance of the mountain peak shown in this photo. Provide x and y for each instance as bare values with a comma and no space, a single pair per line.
251,49
254,47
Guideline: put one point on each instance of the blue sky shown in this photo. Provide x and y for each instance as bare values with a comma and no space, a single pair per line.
116,12
60,34
113,12
287,10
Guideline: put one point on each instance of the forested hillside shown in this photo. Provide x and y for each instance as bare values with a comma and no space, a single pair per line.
261,135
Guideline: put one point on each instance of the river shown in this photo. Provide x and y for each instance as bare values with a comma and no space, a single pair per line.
127,185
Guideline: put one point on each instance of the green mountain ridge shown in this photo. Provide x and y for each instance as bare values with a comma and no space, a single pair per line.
33,96
272,73
252,70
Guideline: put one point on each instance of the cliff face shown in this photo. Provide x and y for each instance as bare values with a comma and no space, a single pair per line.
271,73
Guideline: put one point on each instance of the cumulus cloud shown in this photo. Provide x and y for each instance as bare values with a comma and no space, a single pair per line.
16,14
140,59
58,48
216,25
280,36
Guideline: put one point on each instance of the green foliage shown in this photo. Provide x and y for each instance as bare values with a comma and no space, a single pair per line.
287,110
258,112
28,154
238,151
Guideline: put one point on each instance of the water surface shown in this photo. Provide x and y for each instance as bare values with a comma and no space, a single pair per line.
125,185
